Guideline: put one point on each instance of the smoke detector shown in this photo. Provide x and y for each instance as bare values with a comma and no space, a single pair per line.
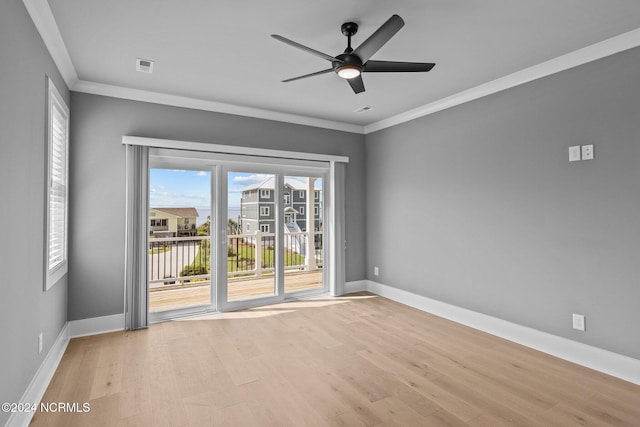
144,65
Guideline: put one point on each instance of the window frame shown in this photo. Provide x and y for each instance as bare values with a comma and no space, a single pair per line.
265,211
55,104
264,228
265,193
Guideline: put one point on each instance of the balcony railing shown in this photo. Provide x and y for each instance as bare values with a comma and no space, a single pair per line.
177,261
244,259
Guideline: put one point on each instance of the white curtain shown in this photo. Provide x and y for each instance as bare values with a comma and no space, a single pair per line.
136,252
337,218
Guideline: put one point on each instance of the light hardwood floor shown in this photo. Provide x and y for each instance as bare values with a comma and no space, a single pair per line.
359,360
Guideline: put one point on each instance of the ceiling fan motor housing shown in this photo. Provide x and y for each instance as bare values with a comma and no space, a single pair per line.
347,60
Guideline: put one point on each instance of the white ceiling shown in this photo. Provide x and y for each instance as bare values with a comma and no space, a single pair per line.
219,51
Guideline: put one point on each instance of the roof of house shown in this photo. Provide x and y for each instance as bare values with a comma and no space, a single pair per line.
296,183
179,212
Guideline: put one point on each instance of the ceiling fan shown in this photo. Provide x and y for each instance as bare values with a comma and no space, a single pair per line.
350,64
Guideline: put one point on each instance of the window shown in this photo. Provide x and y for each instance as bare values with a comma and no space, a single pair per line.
248,227
264,211
265,194
264,228
315,211
287,199
301,194
317,195
244,211
186,221
57,186
301,210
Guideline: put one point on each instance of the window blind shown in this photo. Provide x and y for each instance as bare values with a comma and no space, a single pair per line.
57,188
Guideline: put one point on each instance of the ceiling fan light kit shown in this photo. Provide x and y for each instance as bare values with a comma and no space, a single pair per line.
352,63
348,71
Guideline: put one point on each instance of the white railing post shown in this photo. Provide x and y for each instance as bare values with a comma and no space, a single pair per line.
310,247
258,251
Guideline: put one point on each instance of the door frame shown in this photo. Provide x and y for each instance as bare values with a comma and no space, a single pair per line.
330,168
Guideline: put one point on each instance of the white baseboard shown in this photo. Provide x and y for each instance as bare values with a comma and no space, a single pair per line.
355,286
617,365
38,385
96,325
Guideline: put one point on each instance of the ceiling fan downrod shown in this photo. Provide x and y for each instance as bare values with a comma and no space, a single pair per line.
349,29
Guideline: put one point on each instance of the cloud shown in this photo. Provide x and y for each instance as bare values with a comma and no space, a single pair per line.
202,173
164,199
255,178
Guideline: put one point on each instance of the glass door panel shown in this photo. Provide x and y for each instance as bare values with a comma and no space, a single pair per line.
179,239
303,233
251,236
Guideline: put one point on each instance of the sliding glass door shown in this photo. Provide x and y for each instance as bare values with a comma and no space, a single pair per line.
251,236
226,234
179,241
303,233
274,235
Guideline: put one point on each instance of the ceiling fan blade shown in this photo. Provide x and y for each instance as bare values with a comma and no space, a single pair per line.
356,84
317,73
396,67
379,38
305,48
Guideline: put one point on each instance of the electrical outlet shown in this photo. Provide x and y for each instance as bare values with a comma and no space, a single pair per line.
587,152
578,322
376,271
40,342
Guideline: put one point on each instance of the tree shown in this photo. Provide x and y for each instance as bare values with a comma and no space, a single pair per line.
204,229
232,227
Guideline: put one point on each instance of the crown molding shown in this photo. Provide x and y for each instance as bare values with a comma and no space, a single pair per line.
582,56
201,104
44,21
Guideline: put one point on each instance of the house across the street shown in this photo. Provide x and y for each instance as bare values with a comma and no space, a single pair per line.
172,222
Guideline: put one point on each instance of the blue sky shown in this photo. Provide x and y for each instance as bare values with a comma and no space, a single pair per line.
179,188
188,188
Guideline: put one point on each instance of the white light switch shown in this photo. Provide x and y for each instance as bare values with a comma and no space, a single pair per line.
587,152
578,322
574,153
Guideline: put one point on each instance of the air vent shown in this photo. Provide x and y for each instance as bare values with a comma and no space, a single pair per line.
363,109
144,65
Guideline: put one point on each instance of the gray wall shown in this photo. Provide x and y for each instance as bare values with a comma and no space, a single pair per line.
98,182
25,309
479,207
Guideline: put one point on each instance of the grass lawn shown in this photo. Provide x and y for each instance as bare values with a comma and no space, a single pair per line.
243,259
160,250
